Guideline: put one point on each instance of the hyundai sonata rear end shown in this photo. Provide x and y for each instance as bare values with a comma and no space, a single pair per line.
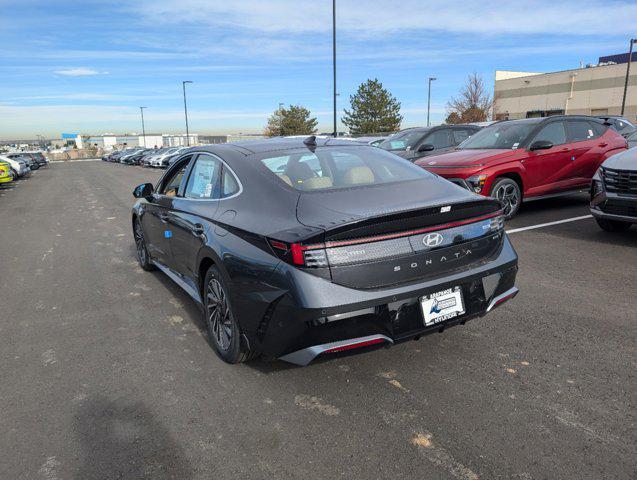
303,249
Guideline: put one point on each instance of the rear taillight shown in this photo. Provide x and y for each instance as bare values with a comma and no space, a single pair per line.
312,256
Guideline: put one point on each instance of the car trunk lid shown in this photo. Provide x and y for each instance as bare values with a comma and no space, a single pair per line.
421,229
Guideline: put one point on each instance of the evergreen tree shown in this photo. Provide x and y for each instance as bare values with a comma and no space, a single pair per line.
373,110
295,120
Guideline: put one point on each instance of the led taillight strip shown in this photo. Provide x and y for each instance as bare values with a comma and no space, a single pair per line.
352,346
299,249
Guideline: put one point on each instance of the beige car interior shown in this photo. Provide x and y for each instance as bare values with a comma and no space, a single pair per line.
308,180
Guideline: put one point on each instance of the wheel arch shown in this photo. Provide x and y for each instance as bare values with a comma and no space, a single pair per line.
515,176
206,259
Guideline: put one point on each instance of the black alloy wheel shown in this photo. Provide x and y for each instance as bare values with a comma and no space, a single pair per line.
140,244
507,191
223,331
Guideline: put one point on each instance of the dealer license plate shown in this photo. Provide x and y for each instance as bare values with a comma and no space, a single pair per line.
441,306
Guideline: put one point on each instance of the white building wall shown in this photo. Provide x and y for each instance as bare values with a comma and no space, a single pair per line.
583,91
151,141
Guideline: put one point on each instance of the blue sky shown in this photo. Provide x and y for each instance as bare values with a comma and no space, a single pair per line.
86,66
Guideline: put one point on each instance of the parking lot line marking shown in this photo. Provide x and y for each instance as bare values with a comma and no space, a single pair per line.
542,225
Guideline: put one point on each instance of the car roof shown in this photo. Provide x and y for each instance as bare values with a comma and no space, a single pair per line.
248,147
552,117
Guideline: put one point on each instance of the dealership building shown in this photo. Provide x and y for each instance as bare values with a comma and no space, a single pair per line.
591,90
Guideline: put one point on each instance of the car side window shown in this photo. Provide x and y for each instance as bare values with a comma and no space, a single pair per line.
170,185
599,129
204,178
229,184
460,135
554,132
579,131
439,139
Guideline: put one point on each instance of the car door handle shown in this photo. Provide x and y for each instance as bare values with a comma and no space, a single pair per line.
566,149
163,217
603,144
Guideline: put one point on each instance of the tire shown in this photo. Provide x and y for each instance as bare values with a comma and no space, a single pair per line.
140,244
508,192
224,333
612,225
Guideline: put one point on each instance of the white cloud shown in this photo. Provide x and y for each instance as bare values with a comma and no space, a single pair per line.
489,17
79,72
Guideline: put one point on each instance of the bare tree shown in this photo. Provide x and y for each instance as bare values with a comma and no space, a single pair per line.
473,104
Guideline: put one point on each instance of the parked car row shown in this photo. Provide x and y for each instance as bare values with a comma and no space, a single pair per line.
145,157
516,161
299,230
19,164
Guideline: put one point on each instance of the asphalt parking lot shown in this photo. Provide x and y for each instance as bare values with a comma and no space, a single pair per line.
105,371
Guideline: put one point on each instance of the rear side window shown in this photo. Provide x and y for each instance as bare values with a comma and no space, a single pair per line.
329,168
598,129
229,184
553,132
439,139
204,178
579,131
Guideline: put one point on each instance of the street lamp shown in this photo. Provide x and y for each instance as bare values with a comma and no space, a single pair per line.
429,98
630,57
334,59
183,84
141,109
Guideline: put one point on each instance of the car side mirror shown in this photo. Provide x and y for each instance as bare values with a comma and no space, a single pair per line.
144,190
541,145
426,147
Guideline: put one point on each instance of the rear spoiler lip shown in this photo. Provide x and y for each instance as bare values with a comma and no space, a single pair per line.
407,233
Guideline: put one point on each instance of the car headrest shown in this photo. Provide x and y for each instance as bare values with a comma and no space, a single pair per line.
316,183
358,175
299,171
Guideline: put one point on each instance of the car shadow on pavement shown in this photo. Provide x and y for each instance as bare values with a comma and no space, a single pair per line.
120,439
563,202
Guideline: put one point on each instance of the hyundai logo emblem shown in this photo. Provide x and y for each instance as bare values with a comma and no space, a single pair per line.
432,239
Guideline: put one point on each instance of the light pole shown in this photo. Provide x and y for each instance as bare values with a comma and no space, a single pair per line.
141,109
334,59
183,84
630,57
429,98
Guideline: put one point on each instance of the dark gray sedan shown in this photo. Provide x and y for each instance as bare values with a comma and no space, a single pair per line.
415,143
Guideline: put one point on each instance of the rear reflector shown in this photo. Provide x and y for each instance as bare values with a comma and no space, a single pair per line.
352,346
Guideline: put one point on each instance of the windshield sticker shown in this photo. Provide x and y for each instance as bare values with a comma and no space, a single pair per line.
515,145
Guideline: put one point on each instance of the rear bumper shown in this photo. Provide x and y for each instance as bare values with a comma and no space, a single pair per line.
314,312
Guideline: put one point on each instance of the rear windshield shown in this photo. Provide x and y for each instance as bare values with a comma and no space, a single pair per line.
329,168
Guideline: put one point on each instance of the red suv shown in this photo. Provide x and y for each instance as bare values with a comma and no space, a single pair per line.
529,159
